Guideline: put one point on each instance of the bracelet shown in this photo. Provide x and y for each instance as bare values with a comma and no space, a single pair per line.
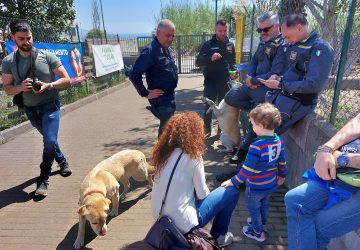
324,149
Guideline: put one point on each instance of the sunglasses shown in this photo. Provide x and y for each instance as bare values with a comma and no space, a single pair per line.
264,29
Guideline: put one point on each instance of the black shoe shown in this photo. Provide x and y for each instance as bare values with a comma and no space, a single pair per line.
64,169
239,157
225,176
41,188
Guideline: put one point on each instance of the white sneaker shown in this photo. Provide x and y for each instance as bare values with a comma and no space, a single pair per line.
248,221
225,240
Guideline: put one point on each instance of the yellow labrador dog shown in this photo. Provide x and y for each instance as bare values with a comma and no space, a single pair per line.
228,118
101,187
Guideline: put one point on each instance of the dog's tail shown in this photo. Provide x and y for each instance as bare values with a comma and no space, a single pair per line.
211,104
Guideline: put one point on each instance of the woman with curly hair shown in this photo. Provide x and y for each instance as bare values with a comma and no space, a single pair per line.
189,203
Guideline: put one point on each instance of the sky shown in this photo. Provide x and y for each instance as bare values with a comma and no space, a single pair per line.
125,17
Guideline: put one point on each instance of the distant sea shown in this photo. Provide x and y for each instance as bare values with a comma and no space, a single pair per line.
130,35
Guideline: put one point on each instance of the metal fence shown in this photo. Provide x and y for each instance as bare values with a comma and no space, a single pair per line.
339,24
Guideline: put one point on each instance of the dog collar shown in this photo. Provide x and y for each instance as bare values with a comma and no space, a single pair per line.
93,192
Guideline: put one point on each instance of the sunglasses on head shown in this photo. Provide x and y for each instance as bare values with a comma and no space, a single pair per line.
264,29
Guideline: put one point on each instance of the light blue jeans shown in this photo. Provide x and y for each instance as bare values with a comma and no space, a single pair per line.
219,204
310,227
258,205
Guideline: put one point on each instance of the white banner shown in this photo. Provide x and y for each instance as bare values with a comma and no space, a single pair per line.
108,58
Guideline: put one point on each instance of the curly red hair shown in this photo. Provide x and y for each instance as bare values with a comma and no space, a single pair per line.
183,130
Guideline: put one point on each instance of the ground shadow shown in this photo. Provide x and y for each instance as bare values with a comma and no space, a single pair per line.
137,245
69,239
18,195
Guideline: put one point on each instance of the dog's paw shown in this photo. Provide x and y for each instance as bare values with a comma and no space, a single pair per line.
79,243
114,213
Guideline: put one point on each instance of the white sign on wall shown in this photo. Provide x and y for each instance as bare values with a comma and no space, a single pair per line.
108,58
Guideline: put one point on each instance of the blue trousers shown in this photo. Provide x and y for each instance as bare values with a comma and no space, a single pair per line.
219,204
163,110
46,119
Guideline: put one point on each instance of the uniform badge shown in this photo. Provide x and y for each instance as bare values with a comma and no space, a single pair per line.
318,52
293,55
285,49
268,50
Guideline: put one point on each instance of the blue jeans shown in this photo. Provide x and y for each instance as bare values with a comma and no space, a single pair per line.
220,203
310,227
258,205
46,119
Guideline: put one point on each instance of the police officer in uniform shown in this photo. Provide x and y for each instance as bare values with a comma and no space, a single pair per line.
217,57
309,59
157,62
268,62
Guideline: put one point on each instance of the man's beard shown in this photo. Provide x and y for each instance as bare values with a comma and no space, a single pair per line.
25,48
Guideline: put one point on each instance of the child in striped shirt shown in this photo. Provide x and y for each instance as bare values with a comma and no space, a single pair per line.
263,170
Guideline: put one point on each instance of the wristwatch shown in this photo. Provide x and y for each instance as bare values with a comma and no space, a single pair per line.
343,160
324,149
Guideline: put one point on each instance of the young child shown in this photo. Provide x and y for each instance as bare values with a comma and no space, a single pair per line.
263,170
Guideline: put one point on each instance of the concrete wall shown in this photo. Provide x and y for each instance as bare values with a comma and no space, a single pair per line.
301,144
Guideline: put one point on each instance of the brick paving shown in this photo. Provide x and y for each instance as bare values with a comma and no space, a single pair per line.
87,136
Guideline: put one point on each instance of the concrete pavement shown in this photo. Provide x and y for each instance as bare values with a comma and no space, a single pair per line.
88,135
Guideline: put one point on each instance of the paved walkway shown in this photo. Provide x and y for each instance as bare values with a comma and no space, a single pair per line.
87,136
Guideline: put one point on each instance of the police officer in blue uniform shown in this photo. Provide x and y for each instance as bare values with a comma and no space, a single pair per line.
217,57
309,59
268,62
157,62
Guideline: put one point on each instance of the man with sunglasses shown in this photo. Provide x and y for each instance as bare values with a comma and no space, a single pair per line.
309,59
217,57
268,62
157,62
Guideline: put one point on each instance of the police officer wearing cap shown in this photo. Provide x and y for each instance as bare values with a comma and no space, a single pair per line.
157,62
217,57
268,62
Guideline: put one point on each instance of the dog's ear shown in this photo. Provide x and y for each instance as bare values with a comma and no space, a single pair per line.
83,210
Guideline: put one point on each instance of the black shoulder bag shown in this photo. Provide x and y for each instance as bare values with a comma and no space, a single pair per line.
164,234
18,98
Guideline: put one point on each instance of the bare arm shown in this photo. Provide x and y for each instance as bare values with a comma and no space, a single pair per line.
64,80
325,163
10,89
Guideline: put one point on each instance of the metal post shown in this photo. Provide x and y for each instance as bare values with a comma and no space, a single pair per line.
102,15
252,32
178,46
343,59
281,10
215,11
77,32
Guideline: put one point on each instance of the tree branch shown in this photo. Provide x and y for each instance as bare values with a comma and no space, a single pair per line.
314,11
